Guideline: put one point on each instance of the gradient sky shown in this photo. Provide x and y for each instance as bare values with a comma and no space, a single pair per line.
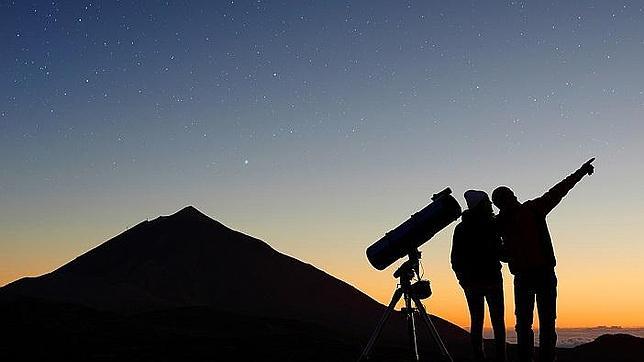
317,126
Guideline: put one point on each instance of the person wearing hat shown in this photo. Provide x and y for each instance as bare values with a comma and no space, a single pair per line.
476,260
531,259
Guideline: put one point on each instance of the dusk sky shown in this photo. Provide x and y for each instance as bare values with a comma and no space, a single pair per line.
317,126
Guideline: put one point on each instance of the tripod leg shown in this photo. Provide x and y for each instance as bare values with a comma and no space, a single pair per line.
411,328
376,333
432,329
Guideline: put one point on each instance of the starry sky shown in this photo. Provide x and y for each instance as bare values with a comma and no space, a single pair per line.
317,126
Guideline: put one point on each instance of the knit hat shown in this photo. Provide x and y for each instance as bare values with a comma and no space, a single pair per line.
474,197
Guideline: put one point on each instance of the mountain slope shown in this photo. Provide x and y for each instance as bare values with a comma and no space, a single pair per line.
189,260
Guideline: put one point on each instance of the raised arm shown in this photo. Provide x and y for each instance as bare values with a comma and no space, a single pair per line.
552,197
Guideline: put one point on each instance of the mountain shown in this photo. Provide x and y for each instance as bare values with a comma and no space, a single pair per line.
186,288
607,347
184,269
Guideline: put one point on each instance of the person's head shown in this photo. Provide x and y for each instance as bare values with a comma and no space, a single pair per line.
478,201
504,198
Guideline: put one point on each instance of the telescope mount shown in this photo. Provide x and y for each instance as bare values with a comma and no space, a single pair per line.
410,292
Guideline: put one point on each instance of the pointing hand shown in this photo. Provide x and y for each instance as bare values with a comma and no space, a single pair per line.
587,167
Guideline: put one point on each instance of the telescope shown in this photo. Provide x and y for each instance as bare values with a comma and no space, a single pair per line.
404,241
417,230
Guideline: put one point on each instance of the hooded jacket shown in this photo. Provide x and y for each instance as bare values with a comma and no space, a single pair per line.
525,232
476,250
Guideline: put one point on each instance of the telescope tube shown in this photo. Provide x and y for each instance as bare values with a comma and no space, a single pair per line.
414,232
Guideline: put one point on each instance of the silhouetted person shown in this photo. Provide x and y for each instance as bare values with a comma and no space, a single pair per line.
476,254
531,258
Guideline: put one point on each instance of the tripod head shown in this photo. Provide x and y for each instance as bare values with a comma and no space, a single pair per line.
409,268
407,271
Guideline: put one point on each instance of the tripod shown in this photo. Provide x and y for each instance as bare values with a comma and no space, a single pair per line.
409,292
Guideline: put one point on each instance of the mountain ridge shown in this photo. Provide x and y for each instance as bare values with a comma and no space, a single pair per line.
187,259
187,280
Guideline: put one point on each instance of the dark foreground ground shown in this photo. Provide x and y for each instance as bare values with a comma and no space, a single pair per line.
37,331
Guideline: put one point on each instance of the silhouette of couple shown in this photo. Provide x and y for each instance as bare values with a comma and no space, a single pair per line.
519,236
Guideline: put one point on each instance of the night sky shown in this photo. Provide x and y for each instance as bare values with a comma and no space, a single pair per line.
317,126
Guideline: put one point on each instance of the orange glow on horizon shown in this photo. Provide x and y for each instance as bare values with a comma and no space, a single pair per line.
598,284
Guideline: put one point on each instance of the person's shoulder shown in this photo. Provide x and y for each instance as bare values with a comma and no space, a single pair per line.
529,203
459,228
533,204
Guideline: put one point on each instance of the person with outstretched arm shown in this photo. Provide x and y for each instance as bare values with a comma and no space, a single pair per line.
476,260
531,258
